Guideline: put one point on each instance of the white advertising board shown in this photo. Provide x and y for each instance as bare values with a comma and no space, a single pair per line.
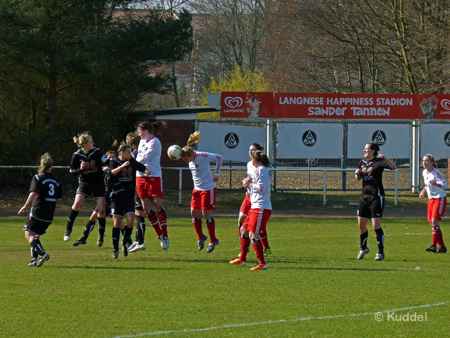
394,139
435,140
230,141
309,140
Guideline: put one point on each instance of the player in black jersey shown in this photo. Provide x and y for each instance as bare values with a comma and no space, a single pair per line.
87,162
45,191
371,201
123,182
133,140
110,154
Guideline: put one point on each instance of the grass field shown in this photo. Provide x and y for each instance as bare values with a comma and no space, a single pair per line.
314,285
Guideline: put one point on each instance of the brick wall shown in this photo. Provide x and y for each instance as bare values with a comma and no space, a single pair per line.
177,133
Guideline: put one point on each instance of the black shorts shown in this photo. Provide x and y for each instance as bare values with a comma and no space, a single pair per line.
371,206
137,202
36,226
122,205
87,188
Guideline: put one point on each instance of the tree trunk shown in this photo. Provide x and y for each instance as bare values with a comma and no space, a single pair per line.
51,111
174,84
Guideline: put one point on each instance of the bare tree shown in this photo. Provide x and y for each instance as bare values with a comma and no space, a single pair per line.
362,45
228,33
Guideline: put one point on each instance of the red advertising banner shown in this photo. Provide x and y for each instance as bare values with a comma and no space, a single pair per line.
335,106
434,107
247,105
346,106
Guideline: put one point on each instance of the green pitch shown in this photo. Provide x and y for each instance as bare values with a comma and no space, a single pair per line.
314,285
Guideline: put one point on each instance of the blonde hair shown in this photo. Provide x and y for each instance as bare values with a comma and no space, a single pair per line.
431,157
81,139
120,146
193,139
133,139
46,163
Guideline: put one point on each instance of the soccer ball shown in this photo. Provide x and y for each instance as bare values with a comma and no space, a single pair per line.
174,152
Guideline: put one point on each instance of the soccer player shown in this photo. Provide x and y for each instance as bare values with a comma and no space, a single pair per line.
205,190
246,204
45,191
133,140
150,189
87,162
259,183
371,201
110,154
123,182
437,201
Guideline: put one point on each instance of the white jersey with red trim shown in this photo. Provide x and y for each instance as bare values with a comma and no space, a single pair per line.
250,169
432,190
201,171
261,188
149,154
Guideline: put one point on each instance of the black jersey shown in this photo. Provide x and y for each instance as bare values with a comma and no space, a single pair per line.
124,182
108,184
48,189
371,174
96,160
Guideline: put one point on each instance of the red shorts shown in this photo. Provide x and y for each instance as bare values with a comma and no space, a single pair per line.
257,220
204,200
436,208
149,187
245,206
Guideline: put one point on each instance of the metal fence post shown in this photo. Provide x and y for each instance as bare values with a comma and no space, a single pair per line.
180,186
344,155
396,186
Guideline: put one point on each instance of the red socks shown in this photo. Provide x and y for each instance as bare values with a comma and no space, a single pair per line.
264,240
437,237
245,244
211,225
197,222
163,222
153,219
258,247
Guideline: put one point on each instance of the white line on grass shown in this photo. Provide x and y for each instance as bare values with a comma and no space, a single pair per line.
279,321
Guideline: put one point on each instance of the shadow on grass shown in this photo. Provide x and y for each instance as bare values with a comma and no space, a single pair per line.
226,263
108,267
334,269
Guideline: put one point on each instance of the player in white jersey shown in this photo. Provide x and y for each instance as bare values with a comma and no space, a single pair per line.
260,185
437,201
246,205
205,190
150,189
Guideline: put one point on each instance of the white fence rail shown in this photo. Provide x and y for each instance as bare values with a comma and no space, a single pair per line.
180,180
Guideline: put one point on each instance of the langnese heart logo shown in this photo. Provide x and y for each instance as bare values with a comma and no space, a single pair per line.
233,102
445,104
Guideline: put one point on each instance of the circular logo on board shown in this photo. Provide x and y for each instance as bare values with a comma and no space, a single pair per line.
231,140
309,138
379,137
447,138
